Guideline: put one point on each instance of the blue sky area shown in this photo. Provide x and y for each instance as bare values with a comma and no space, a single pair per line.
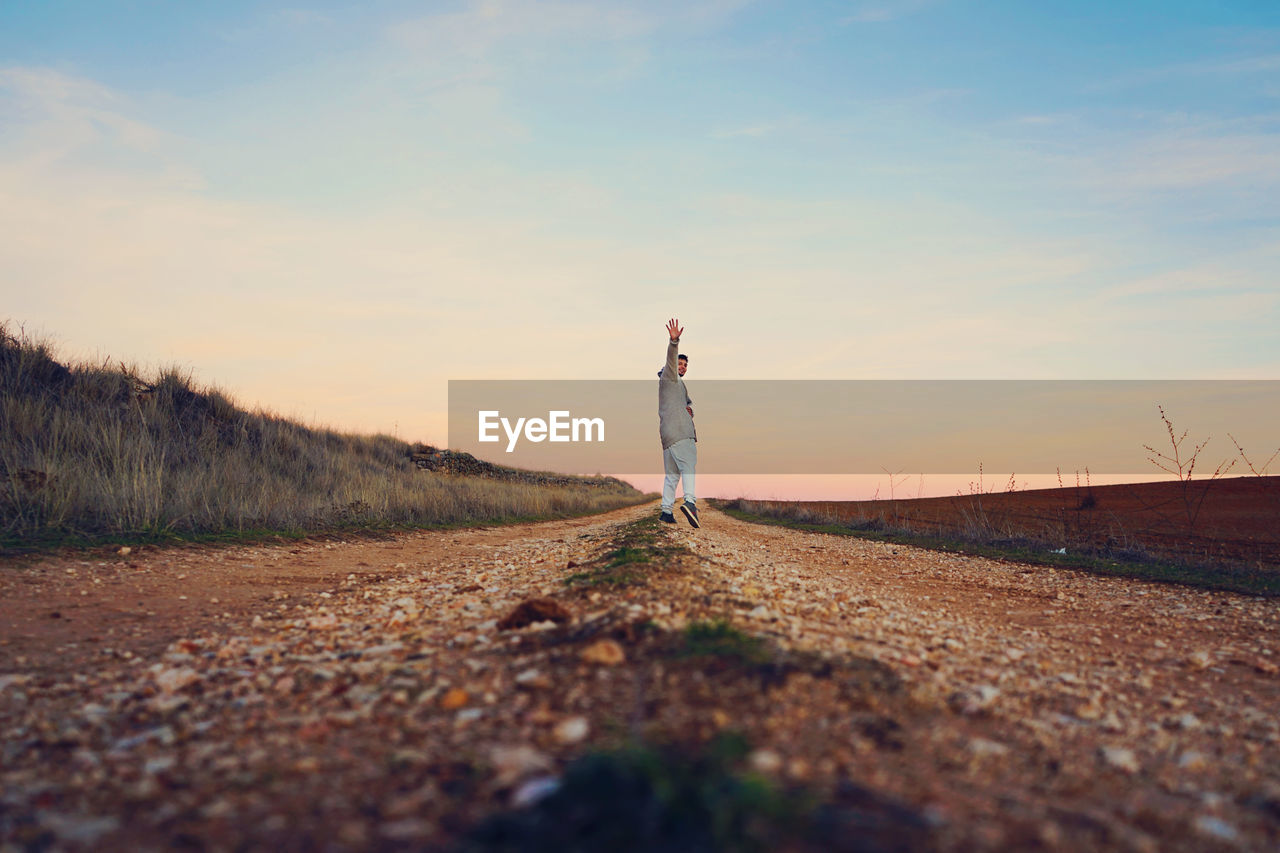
332,209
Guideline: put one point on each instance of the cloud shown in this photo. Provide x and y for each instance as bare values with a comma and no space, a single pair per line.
1204,157
52,114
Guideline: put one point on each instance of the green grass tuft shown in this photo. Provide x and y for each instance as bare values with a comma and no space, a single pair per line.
721,639
640,548
649,798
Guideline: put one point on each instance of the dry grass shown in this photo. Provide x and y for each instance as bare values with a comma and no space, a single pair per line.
99,452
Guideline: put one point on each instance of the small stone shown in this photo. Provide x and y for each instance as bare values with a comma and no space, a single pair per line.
604,652
535,610
124,551
1193,761
512,763
173,680
983,748
533,791
1214,827
323,622
572,730
974,701
1120,758
1200,660
454,699
532,679
765,761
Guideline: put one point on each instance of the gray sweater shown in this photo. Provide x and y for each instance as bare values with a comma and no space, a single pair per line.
674,421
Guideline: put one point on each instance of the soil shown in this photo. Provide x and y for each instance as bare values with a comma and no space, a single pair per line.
1233,519
361,694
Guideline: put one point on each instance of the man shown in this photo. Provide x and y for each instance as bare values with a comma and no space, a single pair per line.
675,426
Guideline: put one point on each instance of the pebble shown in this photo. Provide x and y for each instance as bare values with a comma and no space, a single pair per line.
454,699
512,763
1214,827
604,652
533,791
765,761
572,730
173,680
1120,758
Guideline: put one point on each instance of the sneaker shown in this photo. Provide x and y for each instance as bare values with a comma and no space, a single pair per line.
667,517
690,512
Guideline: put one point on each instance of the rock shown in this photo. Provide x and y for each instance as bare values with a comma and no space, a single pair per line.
512,763
533,791
1120,758
454,699
604,652
173,680
11,679
323,622
1200,660
572,730
1213,827
1193,761
532,679
535,610
983,748
765,761
124,551
975,700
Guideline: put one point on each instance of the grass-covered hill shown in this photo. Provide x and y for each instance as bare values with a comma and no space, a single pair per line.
100,452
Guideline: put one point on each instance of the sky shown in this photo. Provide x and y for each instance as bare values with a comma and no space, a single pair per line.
330,210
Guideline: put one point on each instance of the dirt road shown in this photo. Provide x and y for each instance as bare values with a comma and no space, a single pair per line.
364,695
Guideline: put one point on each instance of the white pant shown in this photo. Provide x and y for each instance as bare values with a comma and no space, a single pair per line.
679,460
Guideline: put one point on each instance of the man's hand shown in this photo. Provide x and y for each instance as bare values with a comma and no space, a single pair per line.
673,329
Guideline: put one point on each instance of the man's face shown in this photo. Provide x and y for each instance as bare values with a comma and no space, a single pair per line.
682,365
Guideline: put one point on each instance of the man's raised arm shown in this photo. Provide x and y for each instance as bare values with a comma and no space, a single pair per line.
672,371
